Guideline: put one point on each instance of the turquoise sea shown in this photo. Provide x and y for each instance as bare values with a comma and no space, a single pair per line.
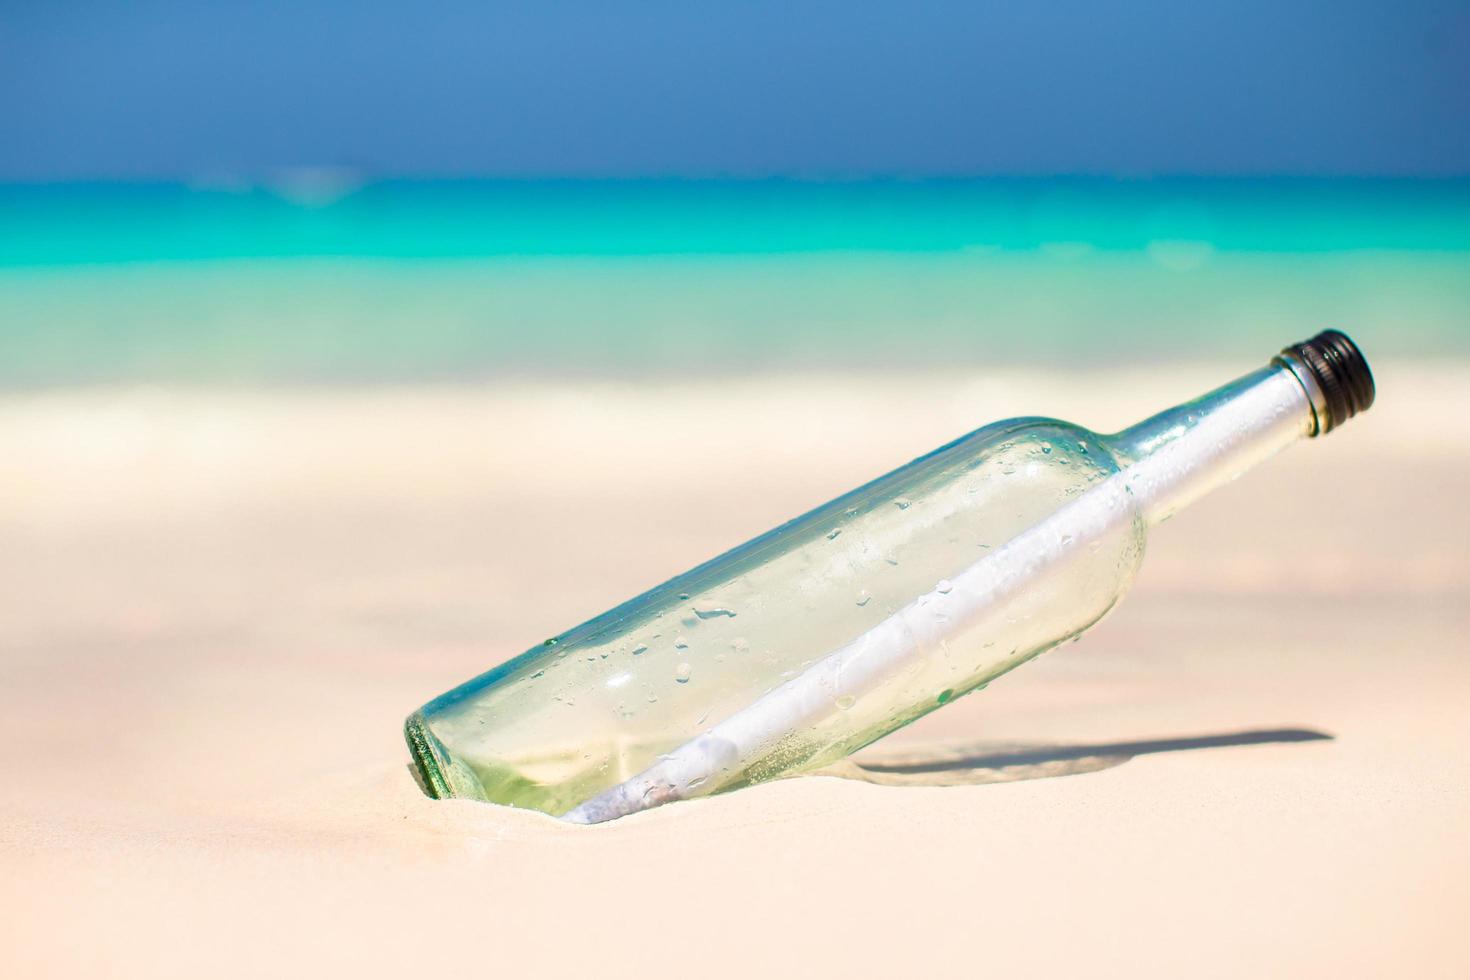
316,276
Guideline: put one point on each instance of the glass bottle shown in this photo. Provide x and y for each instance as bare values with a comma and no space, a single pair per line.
870,611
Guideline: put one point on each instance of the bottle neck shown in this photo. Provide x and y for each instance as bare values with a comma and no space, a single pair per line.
1174,458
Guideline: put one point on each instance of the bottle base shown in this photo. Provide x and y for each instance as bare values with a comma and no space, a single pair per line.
441,776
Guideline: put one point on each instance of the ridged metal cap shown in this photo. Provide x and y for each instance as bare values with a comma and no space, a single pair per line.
1332,364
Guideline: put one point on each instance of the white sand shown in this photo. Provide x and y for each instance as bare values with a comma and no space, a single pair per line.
219,605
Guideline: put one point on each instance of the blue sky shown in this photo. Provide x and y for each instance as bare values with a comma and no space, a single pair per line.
148,90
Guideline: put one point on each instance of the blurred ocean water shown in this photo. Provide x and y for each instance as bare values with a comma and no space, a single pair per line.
313,277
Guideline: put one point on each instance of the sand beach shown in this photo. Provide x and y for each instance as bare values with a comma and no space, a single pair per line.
221,602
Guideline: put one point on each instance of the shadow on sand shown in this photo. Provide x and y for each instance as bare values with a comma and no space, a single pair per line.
961,764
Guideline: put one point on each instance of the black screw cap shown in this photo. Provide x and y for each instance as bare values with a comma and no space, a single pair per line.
1341,372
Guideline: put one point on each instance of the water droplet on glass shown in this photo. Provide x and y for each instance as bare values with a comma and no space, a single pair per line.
712,610
944,586
945,695
845,702
651,696
850,511
863,598
539,673
680,643
682,672
697,781
891,561
832,534
903,503
549,643
683,595
640,648
1046,447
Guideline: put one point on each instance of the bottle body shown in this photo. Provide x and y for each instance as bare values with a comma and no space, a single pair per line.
599,704
855,619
